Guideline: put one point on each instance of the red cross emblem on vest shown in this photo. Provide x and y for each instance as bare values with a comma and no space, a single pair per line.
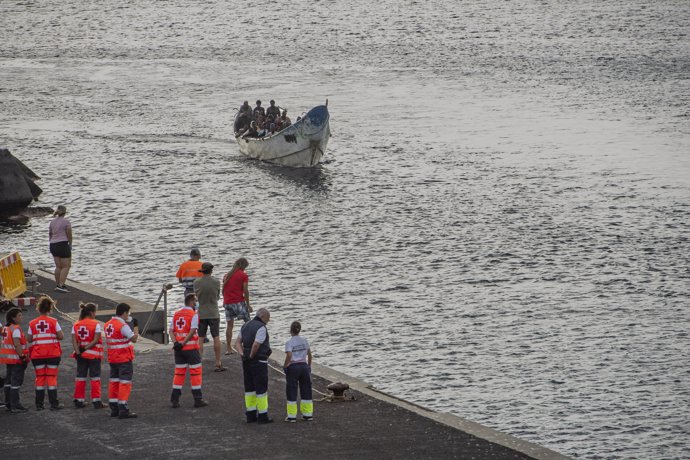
180,323
109,330
42,326
82,332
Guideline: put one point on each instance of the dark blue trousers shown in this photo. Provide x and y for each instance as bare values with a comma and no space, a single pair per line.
298,375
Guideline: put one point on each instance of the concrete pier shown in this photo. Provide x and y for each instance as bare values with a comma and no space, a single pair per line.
375,425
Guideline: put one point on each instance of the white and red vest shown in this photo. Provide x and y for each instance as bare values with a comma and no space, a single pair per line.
182,324
120,349
85,331
8,354
44,340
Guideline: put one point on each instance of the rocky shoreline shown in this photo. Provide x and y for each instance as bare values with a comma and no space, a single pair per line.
18,190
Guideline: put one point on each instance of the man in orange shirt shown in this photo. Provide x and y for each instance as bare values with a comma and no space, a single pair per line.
189,271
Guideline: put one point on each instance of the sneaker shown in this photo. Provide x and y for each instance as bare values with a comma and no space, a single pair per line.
264,421
79,404
200,403
175,404
19,410
127,414
62,288
307,418
98,405
290,420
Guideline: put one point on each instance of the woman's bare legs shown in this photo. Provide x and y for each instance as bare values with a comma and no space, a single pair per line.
65,265
58,269
228,337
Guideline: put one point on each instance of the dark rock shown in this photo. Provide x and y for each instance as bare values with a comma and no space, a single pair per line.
30,174
17,189
37,211
15,219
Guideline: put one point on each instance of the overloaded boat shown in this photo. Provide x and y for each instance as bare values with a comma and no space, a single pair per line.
302,144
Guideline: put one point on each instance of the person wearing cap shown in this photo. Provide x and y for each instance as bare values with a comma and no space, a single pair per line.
207,290
273,111
189,271
60,239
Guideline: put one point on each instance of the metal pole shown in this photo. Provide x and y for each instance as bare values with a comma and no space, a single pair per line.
165,317
155,307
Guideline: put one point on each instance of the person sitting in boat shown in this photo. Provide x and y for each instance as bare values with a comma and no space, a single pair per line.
263,131
273,111
285,120
253,130
246,109
260,122
244,127
244,117
259,110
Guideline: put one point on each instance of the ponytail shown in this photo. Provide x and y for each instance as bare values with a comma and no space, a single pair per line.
87,310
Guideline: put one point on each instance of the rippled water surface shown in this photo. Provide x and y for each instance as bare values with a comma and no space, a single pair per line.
501,226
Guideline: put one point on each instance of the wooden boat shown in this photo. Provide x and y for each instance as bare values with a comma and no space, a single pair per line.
301,144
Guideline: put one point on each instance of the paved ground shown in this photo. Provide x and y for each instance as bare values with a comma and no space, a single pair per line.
365,428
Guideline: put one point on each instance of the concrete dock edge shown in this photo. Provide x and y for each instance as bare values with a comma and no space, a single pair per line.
475,429
472,428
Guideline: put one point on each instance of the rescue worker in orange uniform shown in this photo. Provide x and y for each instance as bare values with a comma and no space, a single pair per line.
189,271
119,337
2,380
88,349
45,350
15,355
183,329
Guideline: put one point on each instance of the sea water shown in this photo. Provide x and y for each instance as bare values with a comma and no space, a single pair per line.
500,228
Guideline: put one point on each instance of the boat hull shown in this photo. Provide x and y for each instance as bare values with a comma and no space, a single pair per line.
301,144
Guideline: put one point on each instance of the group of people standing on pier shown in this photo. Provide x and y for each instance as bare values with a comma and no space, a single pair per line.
41,345
252,342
